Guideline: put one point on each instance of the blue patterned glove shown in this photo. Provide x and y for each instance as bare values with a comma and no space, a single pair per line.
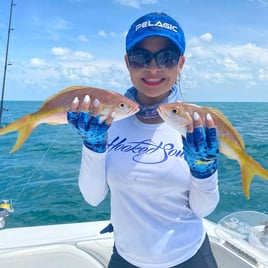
88,126
201,151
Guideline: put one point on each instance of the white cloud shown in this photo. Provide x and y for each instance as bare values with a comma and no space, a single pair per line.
206,37
214,69
68,67
60,51
250,53
263,74
262,2
210,69
239,76
38,63
59,24
82,38
230,64
68,54
241,59
136,3
82,55
110,34
52,27
102,33
216,77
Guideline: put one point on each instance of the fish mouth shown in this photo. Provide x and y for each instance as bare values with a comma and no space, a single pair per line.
131,112
161,112
134,110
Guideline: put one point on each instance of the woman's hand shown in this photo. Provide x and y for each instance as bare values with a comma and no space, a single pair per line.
201,147
86,122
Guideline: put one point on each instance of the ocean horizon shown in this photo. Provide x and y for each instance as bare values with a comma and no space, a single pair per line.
41,177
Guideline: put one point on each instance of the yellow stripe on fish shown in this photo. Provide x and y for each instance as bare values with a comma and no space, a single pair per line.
231,143
53,110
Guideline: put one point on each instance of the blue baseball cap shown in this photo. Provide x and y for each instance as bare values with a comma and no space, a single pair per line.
155,24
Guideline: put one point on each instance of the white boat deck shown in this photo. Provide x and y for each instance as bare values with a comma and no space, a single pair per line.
70,245
80,245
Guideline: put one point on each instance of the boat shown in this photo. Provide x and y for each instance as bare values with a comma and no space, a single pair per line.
238,240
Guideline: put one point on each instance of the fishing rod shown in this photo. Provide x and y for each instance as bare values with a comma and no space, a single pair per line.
5,205
6,62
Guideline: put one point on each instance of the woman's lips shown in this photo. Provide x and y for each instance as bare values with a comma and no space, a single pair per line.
153,81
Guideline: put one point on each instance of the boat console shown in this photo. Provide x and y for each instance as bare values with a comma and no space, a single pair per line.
246,233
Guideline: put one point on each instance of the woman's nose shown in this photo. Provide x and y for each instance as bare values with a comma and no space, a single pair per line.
152,66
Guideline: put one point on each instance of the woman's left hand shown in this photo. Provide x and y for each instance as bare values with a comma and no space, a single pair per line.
201,149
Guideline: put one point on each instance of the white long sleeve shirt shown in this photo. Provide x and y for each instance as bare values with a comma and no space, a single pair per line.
156,205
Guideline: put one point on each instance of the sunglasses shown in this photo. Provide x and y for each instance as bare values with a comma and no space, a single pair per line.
166,58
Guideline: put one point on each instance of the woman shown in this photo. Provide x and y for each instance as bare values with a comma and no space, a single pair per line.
160,190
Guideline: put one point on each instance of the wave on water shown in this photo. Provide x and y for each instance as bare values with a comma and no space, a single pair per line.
41,177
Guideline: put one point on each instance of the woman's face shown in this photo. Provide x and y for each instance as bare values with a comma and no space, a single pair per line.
153,82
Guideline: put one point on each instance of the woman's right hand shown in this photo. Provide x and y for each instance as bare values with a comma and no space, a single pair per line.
86,122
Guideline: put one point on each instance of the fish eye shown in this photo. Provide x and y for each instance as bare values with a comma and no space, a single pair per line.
174,110
122,105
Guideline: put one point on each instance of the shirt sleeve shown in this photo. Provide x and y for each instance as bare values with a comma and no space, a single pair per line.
204,195
92,176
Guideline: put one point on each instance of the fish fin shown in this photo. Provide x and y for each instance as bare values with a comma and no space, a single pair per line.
67,89
250,168
24,126
226,121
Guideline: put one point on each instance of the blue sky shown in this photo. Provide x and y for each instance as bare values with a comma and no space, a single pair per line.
60,43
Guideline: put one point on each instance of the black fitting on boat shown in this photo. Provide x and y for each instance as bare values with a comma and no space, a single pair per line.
108,229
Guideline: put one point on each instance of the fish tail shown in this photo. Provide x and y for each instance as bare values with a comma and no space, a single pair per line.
250,168
24,126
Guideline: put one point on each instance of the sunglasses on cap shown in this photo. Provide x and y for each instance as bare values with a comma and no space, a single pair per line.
166,58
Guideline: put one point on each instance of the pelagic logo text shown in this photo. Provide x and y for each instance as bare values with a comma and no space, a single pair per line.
157,24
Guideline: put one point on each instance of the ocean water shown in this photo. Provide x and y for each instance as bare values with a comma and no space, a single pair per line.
41,177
